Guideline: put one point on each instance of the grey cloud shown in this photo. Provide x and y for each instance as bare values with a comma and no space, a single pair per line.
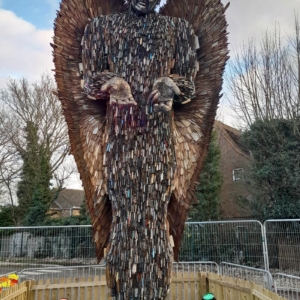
249,19
25,50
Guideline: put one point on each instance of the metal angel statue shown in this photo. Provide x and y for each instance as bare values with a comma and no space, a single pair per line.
139,91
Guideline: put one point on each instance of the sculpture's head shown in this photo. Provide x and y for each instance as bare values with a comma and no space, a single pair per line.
144,6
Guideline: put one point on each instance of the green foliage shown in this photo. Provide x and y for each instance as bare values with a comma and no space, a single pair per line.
208,191
33,192
72,220
83,209
6,216
28,175
275,171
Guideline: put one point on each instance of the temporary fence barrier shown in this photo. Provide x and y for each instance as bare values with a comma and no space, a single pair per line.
276,245
7,274
39,247
287,286
99,270
61,272
35,247
196,266
259,276
239,242
283,244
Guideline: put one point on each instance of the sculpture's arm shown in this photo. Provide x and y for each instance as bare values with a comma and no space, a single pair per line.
178,87
170,90
108,86
186,64
187,89
92,84
98,83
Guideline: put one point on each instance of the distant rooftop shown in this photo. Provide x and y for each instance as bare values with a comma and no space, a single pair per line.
69,198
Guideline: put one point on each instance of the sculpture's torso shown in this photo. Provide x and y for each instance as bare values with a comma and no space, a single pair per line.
139,49
140,159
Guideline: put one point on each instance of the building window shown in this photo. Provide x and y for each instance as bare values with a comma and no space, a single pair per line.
238,174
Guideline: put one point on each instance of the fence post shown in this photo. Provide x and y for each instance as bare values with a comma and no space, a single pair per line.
29,283
265,246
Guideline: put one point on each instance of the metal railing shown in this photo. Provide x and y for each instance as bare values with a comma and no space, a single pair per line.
287,286
273,246
35,247
259,276
196,267
52,273
239,242
283,244
99,270
7,274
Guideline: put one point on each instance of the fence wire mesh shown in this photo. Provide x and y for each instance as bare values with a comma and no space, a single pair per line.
7,274
52,273
35,247
239,242
99,270
287,286
259,276
195,267
283,242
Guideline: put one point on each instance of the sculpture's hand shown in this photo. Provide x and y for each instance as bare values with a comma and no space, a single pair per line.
119,92
163,92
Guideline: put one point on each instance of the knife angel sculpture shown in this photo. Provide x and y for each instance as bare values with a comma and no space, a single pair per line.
139,92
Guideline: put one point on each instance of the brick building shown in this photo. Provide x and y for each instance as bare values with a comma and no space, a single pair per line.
235,161
67,203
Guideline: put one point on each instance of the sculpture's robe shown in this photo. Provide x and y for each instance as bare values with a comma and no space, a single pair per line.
139,160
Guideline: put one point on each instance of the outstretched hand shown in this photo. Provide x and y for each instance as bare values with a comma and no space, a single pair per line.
163,92
119,92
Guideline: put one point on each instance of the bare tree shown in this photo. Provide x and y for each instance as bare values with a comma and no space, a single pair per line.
264,80
264,83
23,102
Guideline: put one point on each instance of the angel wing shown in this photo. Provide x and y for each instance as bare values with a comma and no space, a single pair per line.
193,122
85,118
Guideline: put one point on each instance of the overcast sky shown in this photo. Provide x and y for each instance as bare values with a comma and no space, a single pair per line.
26,31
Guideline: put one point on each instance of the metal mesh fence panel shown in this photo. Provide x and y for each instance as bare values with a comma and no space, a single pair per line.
196,267
51,273
7,274
283,243
259,276
34,247
287,286
239,242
